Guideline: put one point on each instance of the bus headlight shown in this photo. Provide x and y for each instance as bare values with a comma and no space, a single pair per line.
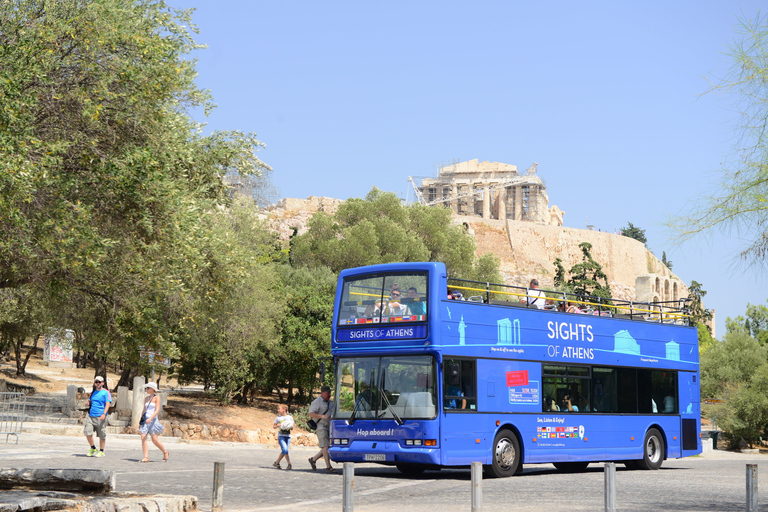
341,442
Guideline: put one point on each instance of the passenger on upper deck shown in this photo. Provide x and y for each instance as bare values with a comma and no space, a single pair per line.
418,306
535,297
390,307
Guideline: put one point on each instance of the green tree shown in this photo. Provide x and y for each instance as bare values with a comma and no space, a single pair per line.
587,277
634,232
232,312
107,181
665,261
736,372
305,333
378,229
740,205
700,317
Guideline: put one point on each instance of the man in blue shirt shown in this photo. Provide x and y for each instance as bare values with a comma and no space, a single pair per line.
97,417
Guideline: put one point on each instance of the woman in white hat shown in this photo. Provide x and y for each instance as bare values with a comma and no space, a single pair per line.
151,426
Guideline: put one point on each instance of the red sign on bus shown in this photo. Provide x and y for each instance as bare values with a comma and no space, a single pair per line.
519,378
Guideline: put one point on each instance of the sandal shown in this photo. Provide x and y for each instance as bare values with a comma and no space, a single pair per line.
144,460
331,470
312,463
288,467
165,456
276,465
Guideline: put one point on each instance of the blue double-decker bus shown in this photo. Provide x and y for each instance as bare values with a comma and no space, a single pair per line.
434,372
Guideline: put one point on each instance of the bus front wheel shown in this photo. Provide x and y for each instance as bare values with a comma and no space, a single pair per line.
653,450
506,455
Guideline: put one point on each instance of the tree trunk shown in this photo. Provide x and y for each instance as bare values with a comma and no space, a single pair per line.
127,375
22,370
100,368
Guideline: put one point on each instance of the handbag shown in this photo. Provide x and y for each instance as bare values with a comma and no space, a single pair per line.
143,419
311,424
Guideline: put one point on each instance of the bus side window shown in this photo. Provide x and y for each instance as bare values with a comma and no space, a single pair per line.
459,384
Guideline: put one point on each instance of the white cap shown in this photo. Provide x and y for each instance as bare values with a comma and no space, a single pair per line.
100,379
151,385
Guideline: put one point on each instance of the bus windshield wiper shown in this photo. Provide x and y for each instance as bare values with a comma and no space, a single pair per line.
351,420
389,406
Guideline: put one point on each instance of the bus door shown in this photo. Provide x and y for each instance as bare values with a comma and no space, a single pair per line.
461,442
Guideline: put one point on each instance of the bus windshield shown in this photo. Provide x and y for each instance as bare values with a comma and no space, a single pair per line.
384,298
386,387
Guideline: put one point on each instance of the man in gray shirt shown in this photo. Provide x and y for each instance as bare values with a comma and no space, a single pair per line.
321,411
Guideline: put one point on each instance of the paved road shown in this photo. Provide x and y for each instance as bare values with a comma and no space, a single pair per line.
714,481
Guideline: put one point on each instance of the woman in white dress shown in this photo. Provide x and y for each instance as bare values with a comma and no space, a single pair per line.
152,426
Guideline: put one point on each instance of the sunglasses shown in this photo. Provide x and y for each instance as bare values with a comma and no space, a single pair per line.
395,294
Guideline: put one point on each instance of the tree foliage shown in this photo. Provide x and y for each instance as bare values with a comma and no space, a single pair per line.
107,181
700,316
230,316
587,277
634,232
740,205
736,372
378,229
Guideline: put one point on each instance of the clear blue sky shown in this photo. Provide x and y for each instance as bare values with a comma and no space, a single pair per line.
607,98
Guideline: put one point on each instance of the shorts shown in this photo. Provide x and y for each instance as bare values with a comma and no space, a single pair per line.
95,423
284,442
323,438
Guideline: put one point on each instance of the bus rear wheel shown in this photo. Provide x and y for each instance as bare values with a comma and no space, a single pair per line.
653,451
506,455
571,467
410,469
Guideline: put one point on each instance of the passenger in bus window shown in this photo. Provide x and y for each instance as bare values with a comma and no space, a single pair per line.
418,306
584,405
567,404
669,403
549,405
453,390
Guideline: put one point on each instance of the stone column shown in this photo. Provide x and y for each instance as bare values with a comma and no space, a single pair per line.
138,401
503,203
519,203
486,202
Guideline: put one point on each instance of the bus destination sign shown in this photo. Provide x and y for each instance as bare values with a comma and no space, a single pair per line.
383,332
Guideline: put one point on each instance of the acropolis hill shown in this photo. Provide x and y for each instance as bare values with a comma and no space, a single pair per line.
508,215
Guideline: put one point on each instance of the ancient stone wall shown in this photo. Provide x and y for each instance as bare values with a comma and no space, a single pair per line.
528,250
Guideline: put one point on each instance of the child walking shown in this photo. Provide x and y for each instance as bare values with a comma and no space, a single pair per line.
283,422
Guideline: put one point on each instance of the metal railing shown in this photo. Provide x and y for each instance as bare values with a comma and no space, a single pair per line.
675,312
12,406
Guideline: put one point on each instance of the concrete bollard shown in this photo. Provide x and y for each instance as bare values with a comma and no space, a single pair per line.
610,487
217,500
477,486
348,504
71,398
138,401
751,487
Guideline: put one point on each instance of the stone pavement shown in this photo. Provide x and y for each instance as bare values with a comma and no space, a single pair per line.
714,481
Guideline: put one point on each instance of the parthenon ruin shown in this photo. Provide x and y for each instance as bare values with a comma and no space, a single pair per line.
491,190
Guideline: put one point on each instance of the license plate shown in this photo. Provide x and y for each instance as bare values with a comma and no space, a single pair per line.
375,457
